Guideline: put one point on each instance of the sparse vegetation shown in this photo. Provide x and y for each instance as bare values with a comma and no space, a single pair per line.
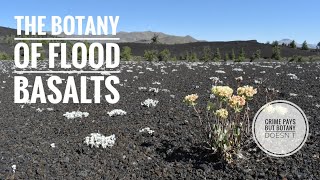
174,58
206,54
193,56
305,46
233,55
185,56
293,44
217,55
300,59
9,39
126,53
242,56
256,55
150,55
164,55
226,57
275,43
276,53
155,39
4,56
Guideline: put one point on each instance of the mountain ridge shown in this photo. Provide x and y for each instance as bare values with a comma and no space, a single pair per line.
287,41
145,37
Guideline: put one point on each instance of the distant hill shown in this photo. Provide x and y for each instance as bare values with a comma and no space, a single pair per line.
145,37
288,41
4,31
136,37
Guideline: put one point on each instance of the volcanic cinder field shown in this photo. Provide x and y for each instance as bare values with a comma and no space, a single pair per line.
40,141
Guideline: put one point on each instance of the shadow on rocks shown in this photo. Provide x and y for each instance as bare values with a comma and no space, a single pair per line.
199,155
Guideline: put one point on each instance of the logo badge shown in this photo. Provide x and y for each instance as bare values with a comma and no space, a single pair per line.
280,128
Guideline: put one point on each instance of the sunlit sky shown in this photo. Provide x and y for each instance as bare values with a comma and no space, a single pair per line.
212,20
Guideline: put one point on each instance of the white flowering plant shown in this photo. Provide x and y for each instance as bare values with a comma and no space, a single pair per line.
150,103
117,112
97,140
227,118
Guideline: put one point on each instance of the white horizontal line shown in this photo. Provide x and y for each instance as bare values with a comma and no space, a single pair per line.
65,72
70,39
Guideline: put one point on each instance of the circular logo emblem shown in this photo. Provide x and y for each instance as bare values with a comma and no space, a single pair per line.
280,128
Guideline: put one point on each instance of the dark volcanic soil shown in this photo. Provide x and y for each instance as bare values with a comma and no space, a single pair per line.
175,150
250,47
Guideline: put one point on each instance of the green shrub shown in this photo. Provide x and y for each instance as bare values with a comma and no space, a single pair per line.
206,54
226,57
275,43
137,58
150,55
126,53
293,44
4,56
174,58
193,56
305,46
216,55
256,55
164,55
242,56
233,55
276,53
9,39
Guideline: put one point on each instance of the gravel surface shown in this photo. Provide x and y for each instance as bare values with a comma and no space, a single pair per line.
163,142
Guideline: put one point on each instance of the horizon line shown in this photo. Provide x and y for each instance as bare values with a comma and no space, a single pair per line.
313,42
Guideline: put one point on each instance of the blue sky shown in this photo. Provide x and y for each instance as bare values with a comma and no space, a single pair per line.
213,20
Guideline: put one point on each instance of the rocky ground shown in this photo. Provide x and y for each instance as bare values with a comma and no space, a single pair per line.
38,142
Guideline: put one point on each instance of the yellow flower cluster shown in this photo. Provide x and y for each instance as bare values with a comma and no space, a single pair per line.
222,113
222,91
246,91
191,99
237,102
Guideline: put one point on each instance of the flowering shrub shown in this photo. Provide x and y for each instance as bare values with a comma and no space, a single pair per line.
222,113
97,140
222,91
117,112
150,103
227,116
75,114
146,130
246,91
191,99
237,102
